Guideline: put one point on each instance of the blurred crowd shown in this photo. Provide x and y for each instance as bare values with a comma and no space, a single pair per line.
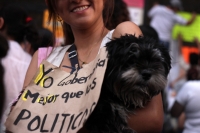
20,38
181,93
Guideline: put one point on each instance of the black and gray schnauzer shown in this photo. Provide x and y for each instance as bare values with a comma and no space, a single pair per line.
137,70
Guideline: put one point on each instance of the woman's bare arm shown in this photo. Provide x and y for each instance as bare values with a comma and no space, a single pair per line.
127,28
149,119
31,69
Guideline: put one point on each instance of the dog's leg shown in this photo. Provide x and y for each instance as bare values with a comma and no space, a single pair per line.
120,119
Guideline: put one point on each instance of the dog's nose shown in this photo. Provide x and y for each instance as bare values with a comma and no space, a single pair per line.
146,74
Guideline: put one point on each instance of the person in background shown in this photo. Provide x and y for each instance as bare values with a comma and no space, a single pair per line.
186,105
193,71
32,38
191,74
45,39
3,51
164,17
14,25
41,37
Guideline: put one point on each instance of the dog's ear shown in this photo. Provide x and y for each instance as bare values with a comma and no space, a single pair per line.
122,46
133,50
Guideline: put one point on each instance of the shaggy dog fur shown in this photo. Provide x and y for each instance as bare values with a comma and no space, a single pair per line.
137,70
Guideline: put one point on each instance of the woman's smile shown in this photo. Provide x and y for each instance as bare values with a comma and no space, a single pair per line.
80,9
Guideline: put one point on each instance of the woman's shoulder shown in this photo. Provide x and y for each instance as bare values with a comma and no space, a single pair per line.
127,27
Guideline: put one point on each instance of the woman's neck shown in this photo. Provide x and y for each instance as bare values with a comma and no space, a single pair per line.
88,37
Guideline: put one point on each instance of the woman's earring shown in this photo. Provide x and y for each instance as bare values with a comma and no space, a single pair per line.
59,19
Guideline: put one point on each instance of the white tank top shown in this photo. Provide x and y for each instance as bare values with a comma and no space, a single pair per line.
58,53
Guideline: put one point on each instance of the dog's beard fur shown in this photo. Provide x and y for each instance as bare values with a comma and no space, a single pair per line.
137,70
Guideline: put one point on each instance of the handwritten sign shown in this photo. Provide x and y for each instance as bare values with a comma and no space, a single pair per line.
56,101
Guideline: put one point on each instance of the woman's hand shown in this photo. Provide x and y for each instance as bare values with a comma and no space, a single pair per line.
149,119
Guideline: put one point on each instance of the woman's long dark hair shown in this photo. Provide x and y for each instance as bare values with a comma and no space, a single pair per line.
120,14
68,35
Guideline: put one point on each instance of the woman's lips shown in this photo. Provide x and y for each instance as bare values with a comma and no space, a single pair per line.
80,8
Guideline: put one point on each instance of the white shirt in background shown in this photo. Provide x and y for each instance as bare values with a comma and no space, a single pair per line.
15,66
189,98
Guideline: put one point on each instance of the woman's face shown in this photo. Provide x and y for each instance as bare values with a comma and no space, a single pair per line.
80,13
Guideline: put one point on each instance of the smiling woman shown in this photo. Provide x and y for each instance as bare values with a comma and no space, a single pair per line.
65,73
80,9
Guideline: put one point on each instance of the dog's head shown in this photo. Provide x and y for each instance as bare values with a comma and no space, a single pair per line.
137,68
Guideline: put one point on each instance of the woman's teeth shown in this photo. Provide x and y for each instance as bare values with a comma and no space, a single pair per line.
80,8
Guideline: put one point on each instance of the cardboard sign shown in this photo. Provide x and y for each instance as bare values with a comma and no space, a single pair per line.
56,101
